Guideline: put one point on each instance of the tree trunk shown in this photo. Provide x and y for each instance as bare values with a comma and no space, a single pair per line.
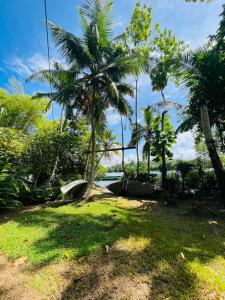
86,160
122,131
149,161
93,155
136,120
51,179
164,167
163,97
215,159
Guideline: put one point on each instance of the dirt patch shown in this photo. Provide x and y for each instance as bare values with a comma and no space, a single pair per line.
13,283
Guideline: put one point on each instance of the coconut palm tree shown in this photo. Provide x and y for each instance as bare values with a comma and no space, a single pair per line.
145,132
203,76
103,66
58,78
106,141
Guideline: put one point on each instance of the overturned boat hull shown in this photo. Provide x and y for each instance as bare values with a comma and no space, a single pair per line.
74,190
134,188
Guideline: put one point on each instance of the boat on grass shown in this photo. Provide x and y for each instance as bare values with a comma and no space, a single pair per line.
73,190
134,189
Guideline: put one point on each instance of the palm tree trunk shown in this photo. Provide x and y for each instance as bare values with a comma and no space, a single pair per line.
87,160
163,156
93,144
122,131
149,153
163,97
136,120
215,159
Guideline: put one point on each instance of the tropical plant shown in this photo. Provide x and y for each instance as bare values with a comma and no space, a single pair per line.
164,138
136,40
183,168
106,141
102,65
20,112
203,75
145,132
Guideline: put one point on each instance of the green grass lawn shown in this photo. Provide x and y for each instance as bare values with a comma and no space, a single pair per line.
175,256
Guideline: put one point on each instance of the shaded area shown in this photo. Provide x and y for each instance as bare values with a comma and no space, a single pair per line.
151,249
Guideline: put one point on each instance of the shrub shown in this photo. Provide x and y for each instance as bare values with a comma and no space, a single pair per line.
45,193
192,180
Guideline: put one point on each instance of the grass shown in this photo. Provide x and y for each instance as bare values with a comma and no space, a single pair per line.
155,251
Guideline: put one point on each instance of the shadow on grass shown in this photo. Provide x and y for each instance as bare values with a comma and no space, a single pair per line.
158,268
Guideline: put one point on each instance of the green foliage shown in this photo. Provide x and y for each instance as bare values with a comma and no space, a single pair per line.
10,186
164,138
29,145
20,112
48,143
139,29
192,180
44,193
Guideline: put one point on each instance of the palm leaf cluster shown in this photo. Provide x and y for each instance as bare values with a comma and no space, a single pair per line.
97,68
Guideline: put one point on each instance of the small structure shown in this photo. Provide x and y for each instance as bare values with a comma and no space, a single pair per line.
73,190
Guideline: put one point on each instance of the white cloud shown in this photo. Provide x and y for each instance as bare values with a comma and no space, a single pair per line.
18,66
185,146
113,118
26,66
117,159
118,24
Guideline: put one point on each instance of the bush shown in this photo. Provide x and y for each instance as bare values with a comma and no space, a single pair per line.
206,183
172,188
210,182
45,193
10,187
192,180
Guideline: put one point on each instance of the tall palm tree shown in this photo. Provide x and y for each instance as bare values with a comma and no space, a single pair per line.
203,75
103,66
145,132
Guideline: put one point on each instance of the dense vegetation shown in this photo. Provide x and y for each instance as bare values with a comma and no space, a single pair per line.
38,155
169,246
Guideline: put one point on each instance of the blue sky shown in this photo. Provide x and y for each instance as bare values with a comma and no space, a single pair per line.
23,44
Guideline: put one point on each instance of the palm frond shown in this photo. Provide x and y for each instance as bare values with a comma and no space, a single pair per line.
70,46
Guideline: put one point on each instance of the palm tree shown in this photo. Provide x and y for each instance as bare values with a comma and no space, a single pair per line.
107,140
58,78
203,75
159,79
145,132
103,66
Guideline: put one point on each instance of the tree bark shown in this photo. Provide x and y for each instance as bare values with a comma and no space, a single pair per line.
215,159
86,160
93,145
